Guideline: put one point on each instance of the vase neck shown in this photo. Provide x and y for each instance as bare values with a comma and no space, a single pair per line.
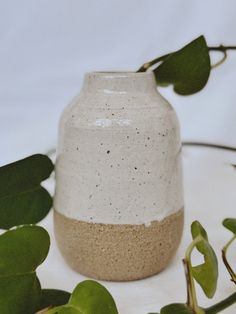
119,83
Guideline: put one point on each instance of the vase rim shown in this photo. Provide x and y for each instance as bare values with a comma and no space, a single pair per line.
120,73
119,82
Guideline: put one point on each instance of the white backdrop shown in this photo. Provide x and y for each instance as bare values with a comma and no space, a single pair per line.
47,46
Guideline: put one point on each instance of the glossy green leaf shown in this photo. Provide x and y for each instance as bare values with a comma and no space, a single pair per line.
176,308
230,224
53,297
22,199
205,274
89,297
22,250
188,69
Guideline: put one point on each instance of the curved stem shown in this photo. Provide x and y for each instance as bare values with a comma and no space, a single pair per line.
147,65
191,291
220,61
222,305
227,265
221,48
212,145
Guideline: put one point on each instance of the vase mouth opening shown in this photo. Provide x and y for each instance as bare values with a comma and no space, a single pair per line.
119,73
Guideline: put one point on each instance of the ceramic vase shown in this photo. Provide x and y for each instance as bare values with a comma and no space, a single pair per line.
118,209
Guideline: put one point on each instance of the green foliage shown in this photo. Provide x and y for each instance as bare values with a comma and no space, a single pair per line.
205,274
22,250
88,297
52,297
188,69
230,224
22,199
176,308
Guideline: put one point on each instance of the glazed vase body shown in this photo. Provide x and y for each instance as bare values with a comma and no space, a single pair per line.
119,198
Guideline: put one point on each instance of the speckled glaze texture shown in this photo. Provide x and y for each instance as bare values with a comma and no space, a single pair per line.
119,156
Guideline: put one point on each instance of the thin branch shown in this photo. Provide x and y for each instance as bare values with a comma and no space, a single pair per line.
147,65
218,307
224,258
191,291
220,61
188,284
211,145
221,48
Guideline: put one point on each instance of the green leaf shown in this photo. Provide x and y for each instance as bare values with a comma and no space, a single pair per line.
230,224
196,230
22,199
188,69
205,274
22,250
89,297
53,297
19,294
176,308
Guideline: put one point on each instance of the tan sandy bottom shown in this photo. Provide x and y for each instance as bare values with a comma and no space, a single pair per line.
118,252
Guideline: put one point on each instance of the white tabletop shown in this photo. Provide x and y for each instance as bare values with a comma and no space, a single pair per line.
210,182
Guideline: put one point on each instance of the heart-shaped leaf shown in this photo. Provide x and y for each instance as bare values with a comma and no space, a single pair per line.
205,274
22,199
176,308
230,224
22,250
188,69
88,297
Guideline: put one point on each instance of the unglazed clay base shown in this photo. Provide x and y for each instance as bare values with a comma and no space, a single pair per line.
118,252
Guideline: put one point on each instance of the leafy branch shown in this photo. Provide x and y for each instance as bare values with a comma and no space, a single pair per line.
24,248
187,69
230,224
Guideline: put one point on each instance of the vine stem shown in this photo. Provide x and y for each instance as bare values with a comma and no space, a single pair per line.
211,145
227,265
147,65
220,48
222,305
191,291
44,310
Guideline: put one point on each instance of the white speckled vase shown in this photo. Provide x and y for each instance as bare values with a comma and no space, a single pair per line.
119,198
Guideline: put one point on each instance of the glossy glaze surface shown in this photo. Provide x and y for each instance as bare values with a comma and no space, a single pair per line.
119,152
